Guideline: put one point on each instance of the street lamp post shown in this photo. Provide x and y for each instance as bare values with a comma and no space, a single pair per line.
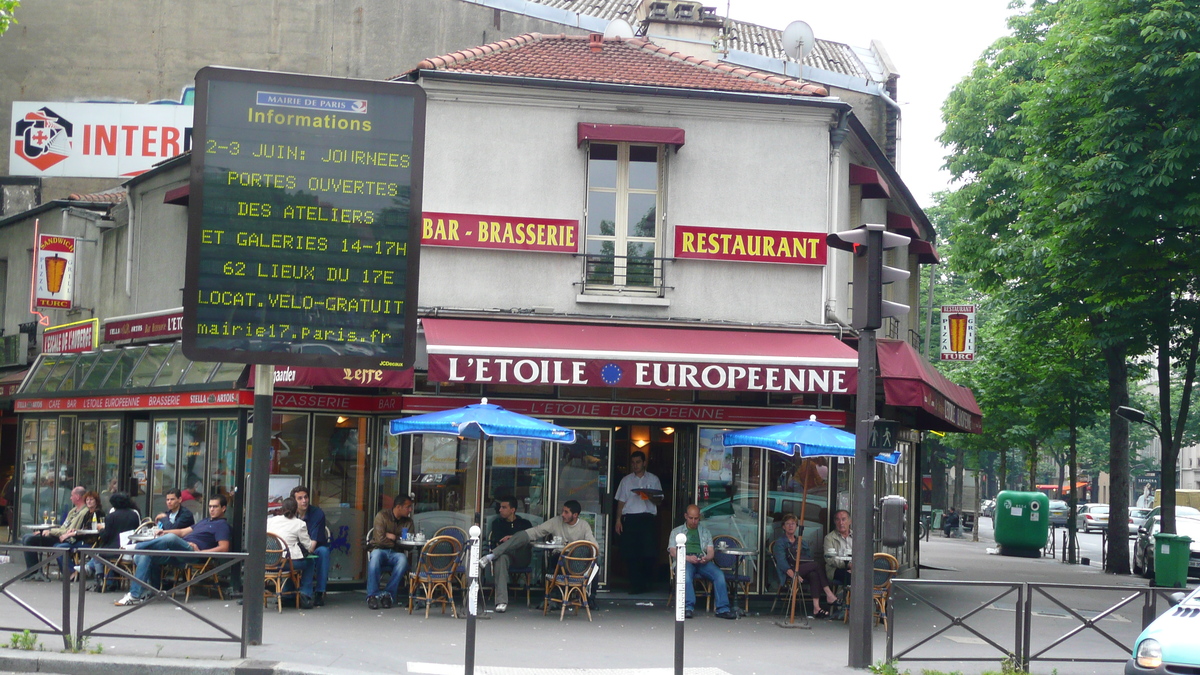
1166,480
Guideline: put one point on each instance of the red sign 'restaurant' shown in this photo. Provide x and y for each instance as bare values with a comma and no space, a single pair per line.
743,245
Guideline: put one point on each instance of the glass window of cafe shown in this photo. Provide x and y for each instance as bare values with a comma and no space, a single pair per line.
329,454
744,493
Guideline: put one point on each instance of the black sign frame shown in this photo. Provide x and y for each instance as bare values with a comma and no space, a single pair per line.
321,87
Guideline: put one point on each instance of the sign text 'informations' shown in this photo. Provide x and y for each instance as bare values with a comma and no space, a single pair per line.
305,220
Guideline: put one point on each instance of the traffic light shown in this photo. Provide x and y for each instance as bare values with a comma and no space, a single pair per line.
870,274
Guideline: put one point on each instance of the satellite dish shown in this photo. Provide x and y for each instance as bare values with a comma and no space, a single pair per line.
618,28
798,40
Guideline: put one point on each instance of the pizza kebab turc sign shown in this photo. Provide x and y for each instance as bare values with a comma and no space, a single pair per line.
304,222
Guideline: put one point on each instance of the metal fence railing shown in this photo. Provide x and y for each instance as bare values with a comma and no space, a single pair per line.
1053,607
74,629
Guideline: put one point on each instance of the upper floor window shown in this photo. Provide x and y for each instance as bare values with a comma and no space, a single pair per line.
624,217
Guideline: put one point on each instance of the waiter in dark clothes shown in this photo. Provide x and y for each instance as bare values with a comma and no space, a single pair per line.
638,497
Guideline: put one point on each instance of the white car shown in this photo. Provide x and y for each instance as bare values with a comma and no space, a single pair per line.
1091,516
1169,644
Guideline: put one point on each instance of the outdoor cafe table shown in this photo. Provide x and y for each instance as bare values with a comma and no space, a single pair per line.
741,554
547,547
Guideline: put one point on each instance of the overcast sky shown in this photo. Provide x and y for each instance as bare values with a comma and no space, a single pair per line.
933,44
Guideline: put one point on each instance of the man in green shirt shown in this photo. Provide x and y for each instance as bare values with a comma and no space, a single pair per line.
698,550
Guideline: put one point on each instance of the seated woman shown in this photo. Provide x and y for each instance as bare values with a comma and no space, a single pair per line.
123,517
93,519
784,550
293,532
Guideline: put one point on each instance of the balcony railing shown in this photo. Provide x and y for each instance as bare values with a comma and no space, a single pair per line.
623,275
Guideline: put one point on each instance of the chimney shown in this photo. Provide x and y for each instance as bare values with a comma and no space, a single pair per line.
596,42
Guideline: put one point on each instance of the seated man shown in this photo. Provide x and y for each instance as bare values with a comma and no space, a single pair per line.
176,517
55,536
210,535
390,526
699,555
503,529
839,546
314,518
950,523
568,526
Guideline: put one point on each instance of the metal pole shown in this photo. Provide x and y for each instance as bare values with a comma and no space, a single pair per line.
863,502
680,597
255,505
473,602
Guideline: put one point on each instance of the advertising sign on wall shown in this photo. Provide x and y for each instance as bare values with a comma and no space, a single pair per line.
745,245
500,232
958,332
95,140
55,272
72,338
304,220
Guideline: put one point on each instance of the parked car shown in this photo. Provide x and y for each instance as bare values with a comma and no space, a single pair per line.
1179,511
1169,644
1137,518
1092,517
1059,512
1143,548
987,508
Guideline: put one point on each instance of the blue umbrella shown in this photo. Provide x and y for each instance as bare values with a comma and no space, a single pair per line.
482,420
810,438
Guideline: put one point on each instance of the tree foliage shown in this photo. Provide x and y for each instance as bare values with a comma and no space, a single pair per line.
8,9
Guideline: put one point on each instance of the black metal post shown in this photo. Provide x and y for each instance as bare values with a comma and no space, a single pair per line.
680,597
255,505
863,503
473,599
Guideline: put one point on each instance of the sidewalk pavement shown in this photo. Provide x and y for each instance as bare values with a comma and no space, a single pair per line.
626,635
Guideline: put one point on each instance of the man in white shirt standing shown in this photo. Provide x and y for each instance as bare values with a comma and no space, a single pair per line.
638,497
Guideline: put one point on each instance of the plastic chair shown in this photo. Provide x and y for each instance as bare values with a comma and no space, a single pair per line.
729,565
436,568
279,571
572,576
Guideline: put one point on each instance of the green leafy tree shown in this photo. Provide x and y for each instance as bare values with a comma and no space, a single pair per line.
8,9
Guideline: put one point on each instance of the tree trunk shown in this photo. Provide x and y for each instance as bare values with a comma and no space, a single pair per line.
937,476
1165,437
1073,463
958,480
1031,456
1002,484
1118,460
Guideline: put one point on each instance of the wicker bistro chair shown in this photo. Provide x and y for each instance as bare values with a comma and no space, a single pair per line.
571,578
885,569
460,570
279,571
729,565
435,570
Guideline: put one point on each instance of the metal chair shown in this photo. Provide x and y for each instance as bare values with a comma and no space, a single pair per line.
571,578
435,569
885,569
784,592
703,588
729,565
279,571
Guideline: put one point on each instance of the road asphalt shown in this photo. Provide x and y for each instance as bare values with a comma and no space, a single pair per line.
626,635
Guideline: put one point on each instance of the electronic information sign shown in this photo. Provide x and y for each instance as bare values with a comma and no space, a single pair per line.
304,220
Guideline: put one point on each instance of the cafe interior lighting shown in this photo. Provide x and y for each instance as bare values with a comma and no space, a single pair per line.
668,430
639,434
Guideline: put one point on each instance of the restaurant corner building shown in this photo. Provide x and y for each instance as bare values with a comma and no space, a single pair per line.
617,237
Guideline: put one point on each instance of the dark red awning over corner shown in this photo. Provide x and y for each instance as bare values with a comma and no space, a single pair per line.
912,382
630,133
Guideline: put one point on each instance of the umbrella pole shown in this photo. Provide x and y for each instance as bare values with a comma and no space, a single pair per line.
799,549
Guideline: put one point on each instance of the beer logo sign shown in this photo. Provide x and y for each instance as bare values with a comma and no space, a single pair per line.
958,332
55,272
43,138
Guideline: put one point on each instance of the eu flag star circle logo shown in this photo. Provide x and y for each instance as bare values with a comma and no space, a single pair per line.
610,373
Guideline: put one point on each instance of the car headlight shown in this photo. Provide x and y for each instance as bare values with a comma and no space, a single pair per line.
1149,654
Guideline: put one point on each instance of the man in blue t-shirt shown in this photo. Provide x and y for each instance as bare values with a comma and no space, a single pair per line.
314,517
209,535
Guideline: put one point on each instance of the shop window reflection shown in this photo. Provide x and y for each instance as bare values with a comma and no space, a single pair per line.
30,510
339,488
194,448
166,458
728,491
223,439
110,431
89,438
444,478
583,469
799,487
517,468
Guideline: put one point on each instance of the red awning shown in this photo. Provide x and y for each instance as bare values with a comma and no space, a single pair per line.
902,224
11,382
179,196
925,252
629,133
873,185
300,376
593,355
911,381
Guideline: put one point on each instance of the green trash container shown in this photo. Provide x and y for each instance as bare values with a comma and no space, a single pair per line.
1171,554
1022,523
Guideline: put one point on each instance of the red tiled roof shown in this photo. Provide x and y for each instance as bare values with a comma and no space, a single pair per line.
107,197
620,61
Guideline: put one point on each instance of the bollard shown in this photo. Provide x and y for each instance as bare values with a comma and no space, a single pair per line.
680,597
472,599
